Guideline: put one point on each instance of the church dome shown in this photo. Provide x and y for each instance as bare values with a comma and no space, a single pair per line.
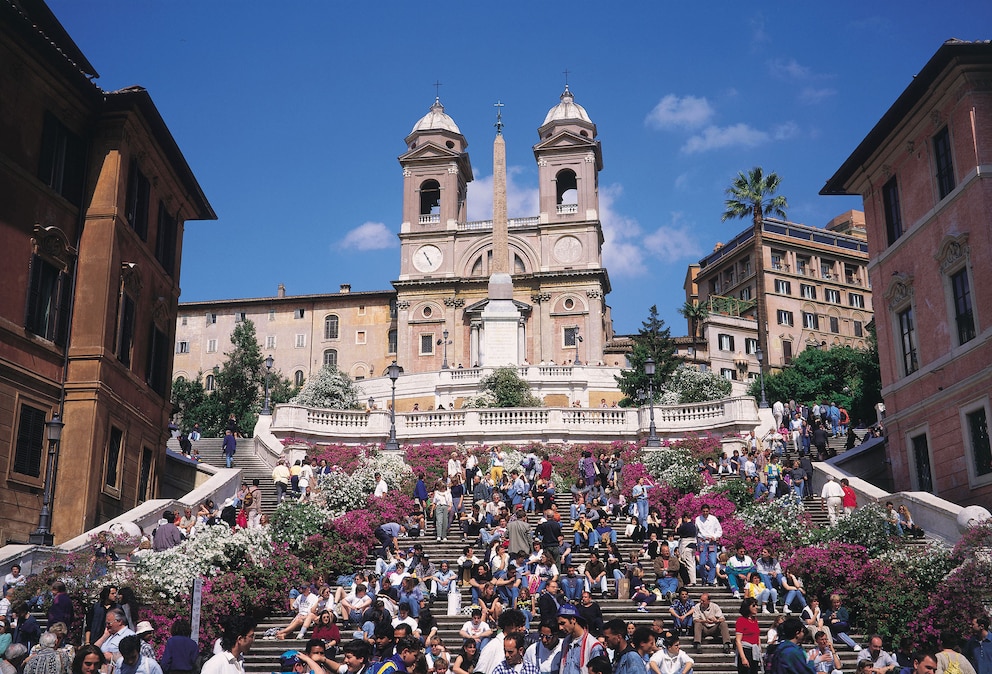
436,120
568,109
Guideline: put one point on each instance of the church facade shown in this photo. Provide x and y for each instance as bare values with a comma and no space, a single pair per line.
434,315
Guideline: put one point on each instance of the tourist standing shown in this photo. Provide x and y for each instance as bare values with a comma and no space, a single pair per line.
237,640
230,446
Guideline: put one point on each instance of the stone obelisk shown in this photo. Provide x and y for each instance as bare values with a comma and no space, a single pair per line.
500,317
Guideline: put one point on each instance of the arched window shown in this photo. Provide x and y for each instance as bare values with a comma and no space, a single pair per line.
566,189
330,357
298,378
430,197
210,383
331,327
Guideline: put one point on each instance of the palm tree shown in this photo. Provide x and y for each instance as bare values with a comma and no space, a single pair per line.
753,193
694,313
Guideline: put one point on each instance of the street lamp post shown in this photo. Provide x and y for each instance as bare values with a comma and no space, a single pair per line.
759,354
578,340
266,409
653,439
371,403
394,373
445,342
43,534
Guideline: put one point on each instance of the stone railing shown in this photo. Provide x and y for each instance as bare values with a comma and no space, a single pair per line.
728,417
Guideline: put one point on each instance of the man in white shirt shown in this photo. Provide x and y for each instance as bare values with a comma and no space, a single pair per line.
14,578
833,494
545,653
708,532
380,486
116,629
304,603
239,635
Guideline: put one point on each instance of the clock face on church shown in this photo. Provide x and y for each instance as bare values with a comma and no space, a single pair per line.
427,258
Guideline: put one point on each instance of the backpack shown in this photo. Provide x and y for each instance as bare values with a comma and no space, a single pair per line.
248,500
953,666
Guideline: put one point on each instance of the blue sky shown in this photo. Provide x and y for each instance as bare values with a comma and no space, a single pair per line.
292,114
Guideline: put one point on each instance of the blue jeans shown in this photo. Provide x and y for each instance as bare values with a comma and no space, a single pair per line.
572,587
683,624
229,458
642,511
668,584
707,562
795,595
797,489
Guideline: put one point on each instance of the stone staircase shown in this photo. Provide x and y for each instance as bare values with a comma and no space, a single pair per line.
245,460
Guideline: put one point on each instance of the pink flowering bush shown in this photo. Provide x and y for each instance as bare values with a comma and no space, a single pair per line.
720,506
834,567
429,459
345,457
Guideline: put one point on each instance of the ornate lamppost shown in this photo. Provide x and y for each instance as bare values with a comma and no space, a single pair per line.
760,355
444,341
43,534
394,373
578,340
371,403
266,409
653,439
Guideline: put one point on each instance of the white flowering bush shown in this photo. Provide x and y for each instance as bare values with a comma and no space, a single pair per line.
690,385
293,521
212,551
486,399
926,566
339,491
329,389
785,515
659,461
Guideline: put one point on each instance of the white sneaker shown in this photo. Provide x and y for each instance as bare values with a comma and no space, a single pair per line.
764,609
737,595
857,649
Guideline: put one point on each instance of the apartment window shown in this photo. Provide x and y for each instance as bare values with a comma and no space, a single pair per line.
728,373
361,309
834,325
157,368
166,239
856,300
360,337
964,316
272,314
298,313
298,378
893,214
182,346
569,336
182,320
240,317
726,342
392,308
331,327
785,317
783,287
49,299
211,383
907,333
944,162
62,162
807,291
745,267
393,341
115,447
211,319
427,344
921,463
270,342
125,329
211,346
778,257
138,197
978,434
859,330
30,446
750,345
802,265
301,341
826,269
831,295
145,476
330,358
746,293
811,321
787,352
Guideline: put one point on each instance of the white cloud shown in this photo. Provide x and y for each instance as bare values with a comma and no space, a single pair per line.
369,236
674,242
789,69
718,137
688,112
759,35
682,182
812,95
521,202
785,131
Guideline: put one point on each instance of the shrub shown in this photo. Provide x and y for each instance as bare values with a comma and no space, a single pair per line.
827,568
865,527
293,521
330,388
345,457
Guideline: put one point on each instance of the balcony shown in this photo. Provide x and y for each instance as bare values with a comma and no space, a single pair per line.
430,219
567,209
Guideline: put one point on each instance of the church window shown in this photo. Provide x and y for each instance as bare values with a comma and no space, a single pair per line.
427,344
569,303
570,335
566,190
428,312
430,197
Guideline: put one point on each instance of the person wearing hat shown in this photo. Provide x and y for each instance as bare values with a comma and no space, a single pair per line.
145,632
578,647
167,535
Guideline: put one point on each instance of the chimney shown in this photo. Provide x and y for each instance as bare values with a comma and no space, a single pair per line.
281,292
345,288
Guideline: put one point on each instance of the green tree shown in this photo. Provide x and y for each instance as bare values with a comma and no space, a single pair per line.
653,340
240,379
847,376
503,387
695,314
329,389
753,194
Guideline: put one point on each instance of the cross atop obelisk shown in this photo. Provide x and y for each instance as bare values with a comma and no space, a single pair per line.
501,235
